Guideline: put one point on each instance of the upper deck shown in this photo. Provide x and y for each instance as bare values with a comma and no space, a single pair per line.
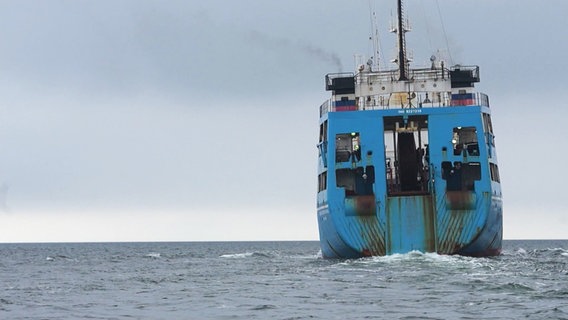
382,90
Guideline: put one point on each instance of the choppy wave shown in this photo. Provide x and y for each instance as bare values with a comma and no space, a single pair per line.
278,281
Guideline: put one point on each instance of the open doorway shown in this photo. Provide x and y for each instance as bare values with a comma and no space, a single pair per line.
407,155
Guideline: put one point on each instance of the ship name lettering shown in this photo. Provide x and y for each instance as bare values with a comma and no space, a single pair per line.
409,111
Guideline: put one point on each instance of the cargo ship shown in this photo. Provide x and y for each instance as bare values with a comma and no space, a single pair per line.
407,161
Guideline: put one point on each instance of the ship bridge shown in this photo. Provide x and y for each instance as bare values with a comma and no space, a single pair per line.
428,87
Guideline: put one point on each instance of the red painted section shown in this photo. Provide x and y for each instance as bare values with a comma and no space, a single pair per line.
463,102
345,108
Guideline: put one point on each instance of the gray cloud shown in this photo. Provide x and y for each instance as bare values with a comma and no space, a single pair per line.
179,105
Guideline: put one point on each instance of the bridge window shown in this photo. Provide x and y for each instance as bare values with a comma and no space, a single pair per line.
323,132
488,129
347,147
322,181
487,123
464,140
494,172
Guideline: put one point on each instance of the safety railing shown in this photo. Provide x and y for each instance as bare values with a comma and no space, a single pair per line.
404,101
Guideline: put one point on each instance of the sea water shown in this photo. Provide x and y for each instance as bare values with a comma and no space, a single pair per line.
277,280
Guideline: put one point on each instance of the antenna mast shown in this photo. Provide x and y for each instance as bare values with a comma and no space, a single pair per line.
402,62
374,38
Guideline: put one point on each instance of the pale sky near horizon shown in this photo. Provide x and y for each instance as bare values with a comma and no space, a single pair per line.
139,120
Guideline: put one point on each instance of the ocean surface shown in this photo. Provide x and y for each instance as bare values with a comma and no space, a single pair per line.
277,280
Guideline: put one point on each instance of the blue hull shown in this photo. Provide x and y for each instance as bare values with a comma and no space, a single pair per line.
363,211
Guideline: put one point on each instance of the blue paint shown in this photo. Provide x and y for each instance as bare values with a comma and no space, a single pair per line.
401,224
410,224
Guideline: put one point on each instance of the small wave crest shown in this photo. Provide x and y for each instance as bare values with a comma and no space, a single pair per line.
58,257
154,255
246,255
237,255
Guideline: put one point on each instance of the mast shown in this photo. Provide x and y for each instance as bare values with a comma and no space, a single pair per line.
374,38
402,62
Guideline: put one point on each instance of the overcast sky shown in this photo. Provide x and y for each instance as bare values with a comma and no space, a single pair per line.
140,120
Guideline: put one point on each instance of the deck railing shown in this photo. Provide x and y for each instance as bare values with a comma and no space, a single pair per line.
413,75
421,100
